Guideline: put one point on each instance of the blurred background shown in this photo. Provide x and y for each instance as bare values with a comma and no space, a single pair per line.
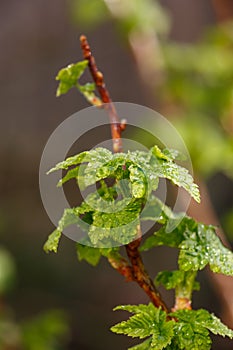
175,56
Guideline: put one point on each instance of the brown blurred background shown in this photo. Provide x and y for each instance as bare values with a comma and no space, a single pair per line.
37,38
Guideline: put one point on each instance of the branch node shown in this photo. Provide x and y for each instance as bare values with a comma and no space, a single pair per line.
123,124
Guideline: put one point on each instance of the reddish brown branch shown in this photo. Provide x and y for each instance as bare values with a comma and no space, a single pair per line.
137,271
122,266
140,274
104,94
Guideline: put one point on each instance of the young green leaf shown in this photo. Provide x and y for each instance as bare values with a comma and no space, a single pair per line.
153,210
52,242
71,174
88,92
198,243
165,235
99,155
214,325
192,328
146,345
201,247
146,321
90,254
184,281
138,181
192,336
69,76
156,151
115,221
110,236
70,217
142,168
74,160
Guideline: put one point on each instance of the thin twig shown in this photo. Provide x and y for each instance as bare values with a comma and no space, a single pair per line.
137,271
104,94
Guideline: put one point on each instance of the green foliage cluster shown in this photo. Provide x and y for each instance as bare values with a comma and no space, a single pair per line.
198,246
125,196
68,78
47,331
200,83
111,216
136,175
182,329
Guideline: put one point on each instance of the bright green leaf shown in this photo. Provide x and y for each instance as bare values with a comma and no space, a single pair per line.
146,321
69,76
201,247
146,345
182,281
193,326
52,242
74,160
90,254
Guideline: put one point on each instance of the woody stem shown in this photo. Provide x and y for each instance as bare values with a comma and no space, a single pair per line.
136,272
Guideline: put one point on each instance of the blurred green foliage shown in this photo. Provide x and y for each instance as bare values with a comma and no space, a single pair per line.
88,13
199,83
228,223
197,77
7,271
47,331
137,15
